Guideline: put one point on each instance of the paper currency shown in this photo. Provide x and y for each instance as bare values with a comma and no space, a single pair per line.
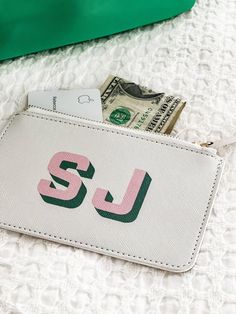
130,105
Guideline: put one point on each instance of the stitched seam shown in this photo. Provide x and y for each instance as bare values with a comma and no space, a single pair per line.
62,114
6,128
110,250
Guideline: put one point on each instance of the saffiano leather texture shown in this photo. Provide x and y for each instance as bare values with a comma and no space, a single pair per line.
129,194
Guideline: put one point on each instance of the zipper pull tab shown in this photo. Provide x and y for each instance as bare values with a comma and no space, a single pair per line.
221,143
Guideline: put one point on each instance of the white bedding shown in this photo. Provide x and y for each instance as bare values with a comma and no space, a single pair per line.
193,55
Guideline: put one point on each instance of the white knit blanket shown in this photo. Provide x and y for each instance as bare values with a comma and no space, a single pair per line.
192,55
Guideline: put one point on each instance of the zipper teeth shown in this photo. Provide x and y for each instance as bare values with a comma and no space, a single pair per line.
121,127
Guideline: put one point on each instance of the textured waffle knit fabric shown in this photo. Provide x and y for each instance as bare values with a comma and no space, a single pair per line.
194,56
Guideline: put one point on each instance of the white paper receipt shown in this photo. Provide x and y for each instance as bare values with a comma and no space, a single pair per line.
85,103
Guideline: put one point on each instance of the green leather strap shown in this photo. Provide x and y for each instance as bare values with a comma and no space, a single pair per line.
28,26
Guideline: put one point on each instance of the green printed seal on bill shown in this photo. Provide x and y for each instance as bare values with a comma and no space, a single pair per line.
127,104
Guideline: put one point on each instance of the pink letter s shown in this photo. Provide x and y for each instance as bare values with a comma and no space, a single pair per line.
74,194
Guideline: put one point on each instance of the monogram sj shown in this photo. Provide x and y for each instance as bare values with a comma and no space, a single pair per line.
75,191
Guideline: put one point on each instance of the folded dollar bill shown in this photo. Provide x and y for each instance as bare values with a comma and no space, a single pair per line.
130,105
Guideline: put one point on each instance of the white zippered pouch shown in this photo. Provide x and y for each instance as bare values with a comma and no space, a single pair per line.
129,194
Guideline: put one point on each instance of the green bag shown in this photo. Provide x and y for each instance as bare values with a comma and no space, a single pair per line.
28,26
